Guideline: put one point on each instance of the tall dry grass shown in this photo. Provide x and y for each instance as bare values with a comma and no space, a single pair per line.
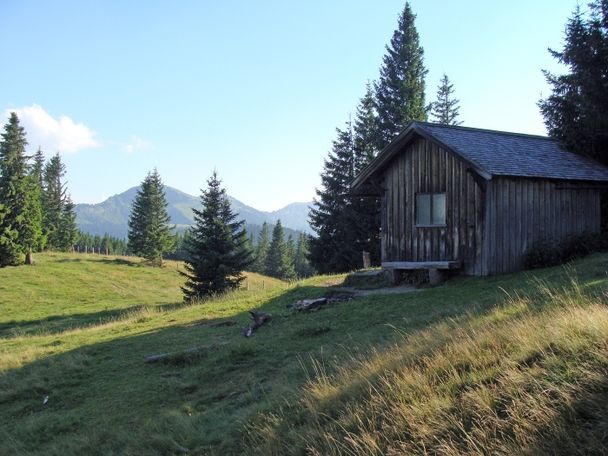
530,377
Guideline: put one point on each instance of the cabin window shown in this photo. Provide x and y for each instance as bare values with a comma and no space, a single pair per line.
430,209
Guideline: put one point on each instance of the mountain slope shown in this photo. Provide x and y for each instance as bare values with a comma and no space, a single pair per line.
111,216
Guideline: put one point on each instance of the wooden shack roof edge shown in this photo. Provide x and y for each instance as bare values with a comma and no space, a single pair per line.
492,153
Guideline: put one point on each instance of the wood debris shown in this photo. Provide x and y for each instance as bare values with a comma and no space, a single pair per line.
307,305
259,318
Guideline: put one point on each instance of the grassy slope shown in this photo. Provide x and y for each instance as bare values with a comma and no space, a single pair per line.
463,368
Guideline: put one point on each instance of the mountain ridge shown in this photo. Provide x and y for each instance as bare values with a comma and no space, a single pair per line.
111,216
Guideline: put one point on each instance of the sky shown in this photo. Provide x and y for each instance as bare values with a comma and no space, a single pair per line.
252,89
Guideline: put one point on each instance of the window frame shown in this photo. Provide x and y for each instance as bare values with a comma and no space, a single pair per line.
431,199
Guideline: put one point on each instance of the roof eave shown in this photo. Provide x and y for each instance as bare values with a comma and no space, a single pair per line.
387,154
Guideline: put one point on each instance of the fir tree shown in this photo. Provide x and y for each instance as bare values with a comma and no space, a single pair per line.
217,246
400,89
53,199
149,231
20,226
278,263
261,250
576,112
445,109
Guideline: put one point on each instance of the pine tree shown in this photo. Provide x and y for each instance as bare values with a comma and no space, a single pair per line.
278,263
400,89
216,246
576,112
149,231
445,109
53,200
20,226
261,250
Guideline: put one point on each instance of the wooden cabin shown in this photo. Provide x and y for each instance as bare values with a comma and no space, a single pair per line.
475,200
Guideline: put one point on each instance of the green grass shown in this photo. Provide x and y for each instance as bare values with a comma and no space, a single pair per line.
506,365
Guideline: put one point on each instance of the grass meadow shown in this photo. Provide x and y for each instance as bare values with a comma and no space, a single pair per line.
515,364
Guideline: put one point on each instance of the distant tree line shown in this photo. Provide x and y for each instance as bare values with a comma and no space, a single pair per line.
345,224
277,257
106,244
36,213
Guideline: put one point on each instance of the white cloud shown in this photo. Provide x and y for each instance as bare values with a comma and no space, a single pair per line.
136,144
54,135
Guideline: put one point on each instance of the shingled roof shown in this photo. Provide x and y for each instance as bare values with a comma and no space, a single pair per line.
495,153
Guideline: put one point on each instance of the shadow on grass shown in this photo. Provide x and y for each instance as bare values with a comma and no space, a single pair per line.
110,261
103,397
59,323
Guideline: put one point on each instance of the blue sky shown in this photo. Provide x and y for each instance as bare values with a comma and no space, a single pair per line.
254,89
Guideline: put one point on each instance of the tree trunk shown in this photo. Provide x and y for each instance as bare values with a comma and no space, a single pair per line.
28,257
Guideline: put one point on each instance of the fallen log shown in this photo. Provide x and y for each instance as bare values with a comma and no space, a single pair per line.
259,318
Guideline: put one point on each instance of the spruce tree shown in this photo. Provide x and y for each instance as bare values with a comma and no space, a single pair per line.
278,262
347,224
38,168
261,250
20,226
149,231
400,89
364,213
576,112
53,200
68,231
445,109
32,237
301,264
216,246
37,190
331,249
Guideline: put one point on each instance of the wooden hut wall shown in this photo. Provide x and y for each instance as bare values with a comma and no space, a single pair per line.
424,167
521,211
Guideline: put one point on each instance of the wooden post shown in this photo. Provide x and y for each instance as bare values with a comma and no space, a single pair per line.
367,262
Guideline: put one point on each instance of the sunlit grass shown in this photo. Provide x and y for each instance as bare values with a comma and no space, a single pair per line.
528,377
